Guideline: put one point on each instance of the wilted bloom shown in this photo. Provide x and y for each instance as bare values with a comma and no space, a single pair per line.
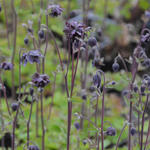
97,80
55,10
33,147
6,66
74,30
34,56
77,125
40,80
111,131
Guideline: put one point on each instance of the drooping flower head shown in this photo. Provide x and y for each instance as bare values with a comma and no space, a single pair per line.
97,80
55,10
6,66
31,56
111,131
34,56
40,81
74,30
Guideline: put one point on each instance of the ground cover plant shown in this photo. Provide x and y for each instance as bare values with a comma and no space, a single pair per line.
74,75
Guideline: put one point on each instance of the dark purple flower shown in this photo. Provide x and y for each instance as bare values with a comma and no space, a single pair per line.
133,131
26,41
40,80
84,142
97,80
146,63
55,10
24,58
135,89
92,41
41,34
77,125
33,147
111,131
115,67
31,91
74,30
34,56
14,106
6,66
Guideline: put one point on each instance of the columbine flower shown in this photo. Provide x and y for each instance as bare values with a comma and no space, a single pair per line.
77,125
133,131
6,66
74,30
111,131
34,56
56,10
40,80
97,80
33,147
24,59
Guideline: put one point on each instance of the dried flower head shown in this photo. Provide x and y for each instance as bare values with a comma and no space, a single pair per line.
111,131
55,10
6,66
40,80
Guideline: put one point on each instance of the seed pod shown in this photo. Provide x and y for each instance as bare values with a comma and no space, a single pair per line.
115,66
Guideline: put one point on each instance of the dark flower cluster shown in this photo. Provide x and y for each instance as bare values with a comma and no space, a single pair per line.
55,10
74,30
31,56
40,80
145,37
6,66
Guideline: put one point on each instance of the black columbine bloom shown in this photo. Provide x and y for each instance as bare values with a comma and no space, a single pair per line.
14,106
55,10
74,30
33,147
97,80
41,34
111,131
115,66
6,66
77,125
24,58
40,81
133,131
31,56
26,41
92,41
34,56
